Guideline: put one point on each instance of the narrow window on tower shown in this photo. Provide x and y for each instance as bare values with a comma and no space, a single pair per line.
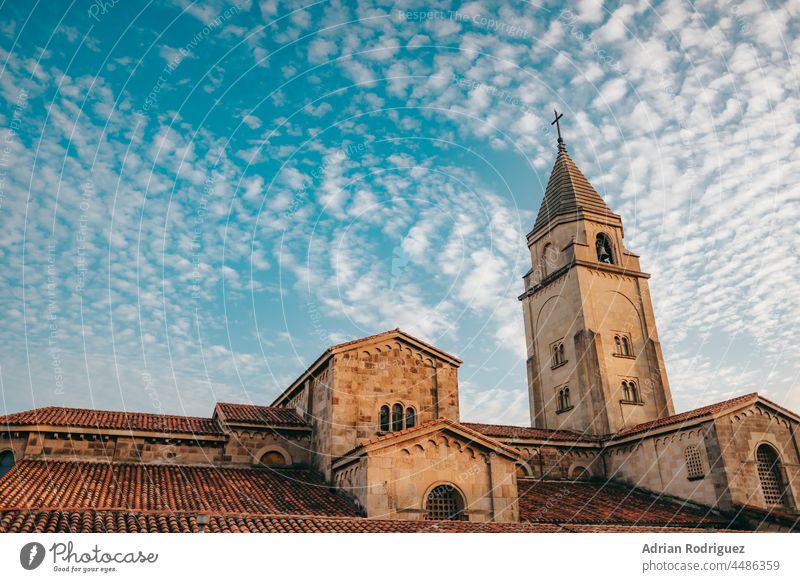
558,354
634,392
630,392
564,403
623,347
604,251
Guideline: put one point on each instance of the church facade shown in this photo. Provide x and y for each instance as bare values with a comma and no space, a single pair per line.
369,437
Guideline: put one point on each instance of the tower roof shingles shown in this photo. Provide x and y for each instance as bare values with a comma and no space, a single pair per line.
569,191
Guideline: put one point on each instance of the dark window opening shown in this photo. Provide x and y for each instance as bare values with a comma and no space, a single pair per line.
384,418
563,399
604,251
6,462
559,356
397,417
411,417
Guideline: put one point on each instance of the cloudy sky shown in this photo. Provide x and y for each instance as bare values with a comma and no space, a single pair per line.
197,198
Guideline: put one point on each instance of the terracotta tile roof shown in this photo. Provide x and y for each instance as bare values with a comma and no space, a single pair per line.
688,415
608,504
525,432
140,487
782,516
264,415
89,521
568,191
108,419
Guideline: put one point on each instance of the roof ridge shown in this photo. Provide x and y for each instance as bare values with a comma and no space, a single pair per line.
103,410
112,463
690,414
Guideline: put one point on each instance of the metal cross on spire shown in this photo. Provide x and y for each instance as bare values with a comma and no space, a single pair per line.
558,128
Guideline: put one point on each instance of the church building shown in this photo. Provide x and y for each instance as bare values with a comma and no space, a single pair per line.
369,437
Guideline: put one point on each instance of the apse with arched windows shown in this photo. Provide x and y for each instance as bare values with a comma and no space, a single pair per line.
605,252
445,502
771,476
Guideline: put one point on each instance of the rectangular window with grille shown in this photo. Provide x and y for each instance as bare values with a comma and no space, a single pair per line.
694,463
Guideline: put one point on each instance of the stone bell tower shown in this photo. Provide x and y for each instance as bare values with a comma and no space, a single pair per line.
594,361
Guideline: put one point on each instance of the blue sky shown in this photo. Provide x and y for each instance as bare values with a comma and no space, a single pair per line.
197,199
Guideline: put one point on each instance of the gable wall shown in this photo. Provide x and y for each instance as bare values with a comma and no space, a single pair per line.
370,376
399,477
740,433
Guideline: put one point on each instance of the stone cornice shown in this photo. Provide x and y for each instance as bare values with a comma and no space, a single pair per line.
591,265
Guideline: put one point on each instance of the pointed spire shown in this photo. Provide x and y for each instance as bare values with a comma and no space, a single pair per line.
568,191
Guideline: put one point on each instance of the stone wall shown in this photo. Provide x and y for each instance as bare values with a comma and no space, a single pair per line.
105,447
247,446
369,377
559,462
658,463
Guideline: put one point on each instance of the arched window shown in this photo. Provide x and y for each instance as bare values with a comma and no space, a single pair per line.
411,417
558,354
445,503
634,392
563,399
579,472
604,251
626,391
770,475
617,345
6,462
694,463
626,346
397,417
273,459
384,418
